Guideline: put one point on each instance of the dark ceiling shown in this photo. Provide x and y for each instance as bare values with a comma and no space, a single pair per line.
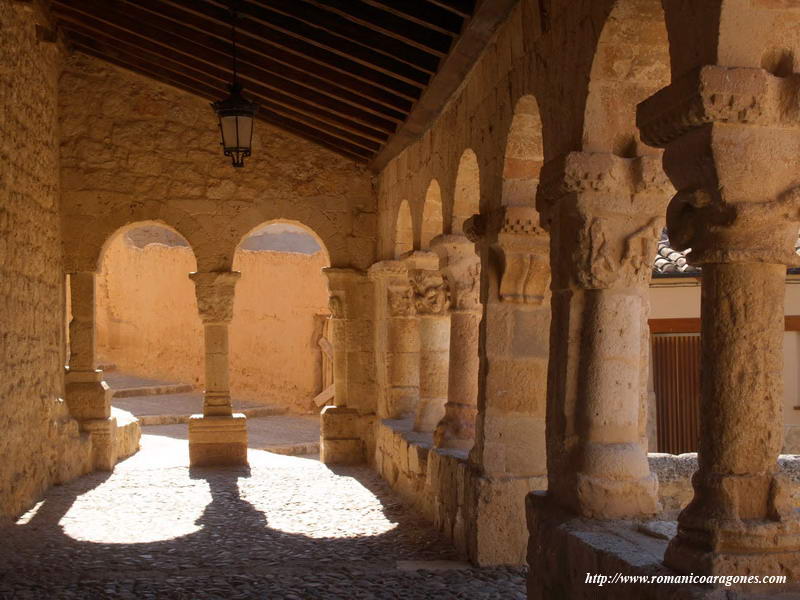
345,74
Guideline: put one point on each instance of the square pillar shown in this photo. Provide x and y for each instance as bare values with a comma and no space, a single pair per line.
345,432
87,395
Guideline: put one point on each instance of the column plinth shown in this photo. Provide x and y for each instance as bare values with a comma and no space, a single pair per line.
218,437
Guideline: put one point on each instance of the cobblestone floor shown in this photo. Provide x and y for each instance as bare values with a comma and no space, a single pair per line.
287,528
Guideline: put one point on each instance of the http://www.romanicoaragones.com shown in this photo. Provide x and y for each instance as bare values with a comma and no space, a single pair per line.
726,580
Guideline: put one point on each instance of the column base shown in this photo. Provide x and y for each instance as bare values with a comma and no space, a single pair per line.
103,433
429,412
602,498
218,441
87,395
340,439
760,548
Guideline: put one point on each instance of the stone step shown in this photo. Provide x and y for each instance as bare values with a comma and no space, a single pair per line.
107,367
153,390
299,449
175,419
124,385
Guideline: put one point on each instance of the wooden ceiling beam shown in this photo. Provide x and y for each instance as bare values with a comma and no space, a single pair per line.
216,58
299,36
143,61
463,8
198,89
390,24
321,20
422,12
254,50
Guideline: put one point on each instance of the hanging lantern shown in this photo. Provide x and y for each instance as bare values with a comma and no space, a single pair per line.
236,114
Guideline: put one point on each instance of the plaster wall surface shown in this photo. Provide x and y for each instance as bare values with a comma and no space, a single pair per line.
148,322
40,444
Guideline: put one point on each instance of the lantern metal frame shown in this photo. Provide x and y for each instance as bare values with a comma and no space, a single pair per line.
237,106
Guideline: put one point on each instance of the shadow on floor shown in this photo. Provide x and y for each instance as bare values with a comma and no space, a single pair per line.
286,528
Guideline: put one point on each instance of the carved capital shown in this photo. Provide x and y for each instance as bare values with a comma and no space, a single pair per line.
524,248
431,295
714,94
341,281
603,178
393,276
461,268
730,134
721,232
215,292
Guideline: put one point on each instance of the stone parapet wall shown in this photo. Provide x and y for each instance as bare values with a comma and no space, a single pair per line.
39,443
675,472
481,516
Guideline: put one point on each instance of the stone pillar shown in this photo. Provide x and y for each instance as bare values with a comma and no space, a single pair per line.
345,425
731,143
398,340
432,304
605,215
508,459
461,268
88,396
218,436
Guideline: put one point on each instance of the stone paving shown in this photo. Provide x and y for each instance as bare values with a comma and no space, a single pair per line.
288,528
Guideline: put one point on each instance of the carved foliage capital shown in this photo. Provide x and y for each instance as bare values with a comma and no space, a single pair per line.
215,293
523,246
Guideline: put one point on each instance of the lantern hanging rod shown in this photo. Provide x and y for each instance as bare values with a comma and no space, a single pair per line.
234,18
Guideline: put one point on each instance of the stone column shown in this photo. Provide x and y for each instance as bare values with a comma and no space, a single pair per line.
88,396
461,268
731,147
432,303
398,340
605,215
218,436
345,424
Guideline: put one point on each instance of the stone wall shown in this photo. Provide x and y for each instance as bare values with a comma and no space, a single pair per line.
39,444
134,150
482,517
148,323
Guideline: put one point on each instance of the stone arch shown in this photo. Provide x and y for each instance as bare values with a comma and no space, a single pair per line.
86,237
280,332
403,230
291,222
524,154
146,316
631,62
432,217
138,225
467,193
